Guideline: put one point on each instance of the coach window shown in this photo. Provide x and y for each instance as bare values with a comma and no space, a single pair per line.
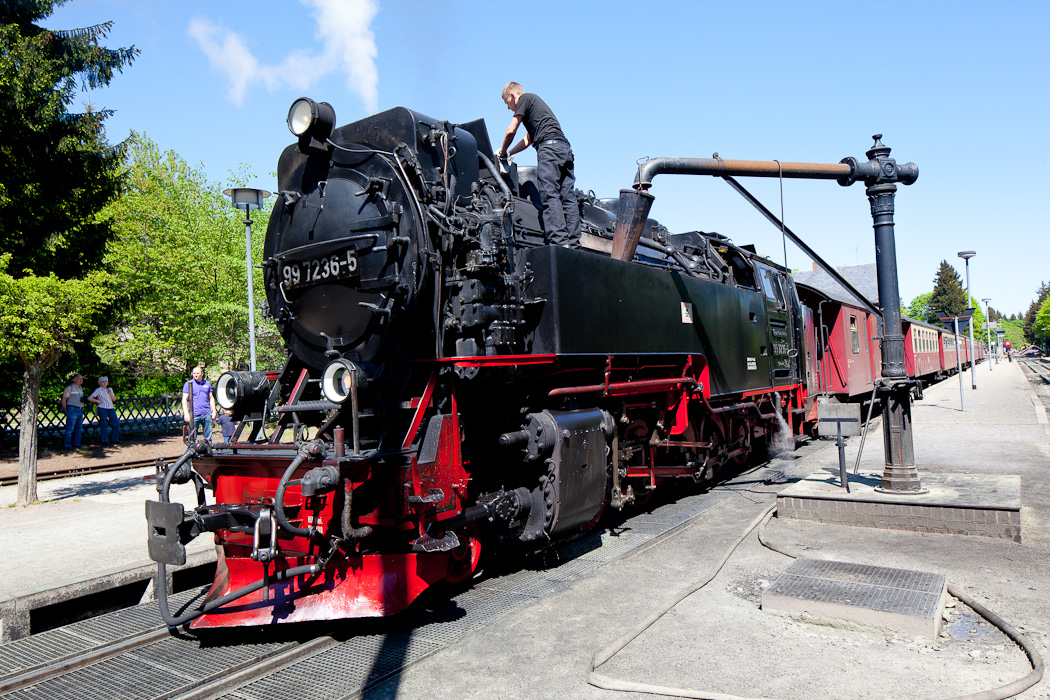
853,334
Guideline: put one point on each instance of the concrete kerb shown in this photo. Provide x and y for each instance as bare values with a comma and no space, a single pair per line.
16,614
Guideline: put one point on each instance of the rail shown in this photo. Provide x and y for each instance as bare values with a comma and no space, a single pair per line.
1039,366
155,644
84,469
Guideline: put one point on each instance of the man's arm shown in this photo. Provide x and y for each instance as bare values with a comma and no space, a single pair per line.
185,404
515,122
214,408
65,395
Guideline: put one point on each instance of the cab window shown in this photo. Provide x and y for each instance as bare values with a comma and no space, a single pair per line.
854,336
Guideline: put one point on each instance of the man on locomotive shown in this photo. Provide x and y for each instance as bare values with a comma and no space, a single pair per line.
554,162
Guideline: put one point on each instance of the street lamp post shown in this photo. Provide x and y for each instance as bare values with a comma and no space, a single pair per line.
247,199
988,326
966,255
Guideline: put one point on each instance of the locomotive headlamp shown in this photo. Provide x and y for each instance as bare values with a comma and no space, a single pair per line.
338,380
242,392
312,121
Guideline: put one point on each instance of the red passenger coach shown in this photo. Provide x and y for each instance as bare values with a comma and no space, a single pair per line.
922,349
843,358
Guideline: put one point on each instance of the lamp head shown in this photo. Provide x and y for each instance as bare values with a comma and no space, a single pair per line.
246,198
967,254
311,121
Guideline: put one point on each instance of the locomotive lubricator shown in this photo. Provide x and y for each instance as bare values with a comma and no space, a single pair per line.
453,383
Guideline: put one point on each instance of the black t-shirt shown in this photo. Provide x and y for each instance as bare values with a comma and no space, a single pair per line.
539,120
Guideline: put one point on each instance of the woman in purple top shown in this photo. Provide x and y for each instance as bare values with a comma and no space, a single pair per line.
198,405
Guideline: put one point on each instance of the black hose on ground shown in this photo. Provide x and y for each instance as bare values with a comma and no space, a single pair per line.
1000,693
600,681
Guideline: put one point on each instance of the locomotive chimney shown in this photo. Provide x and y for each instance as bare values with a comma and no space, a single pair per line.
631,213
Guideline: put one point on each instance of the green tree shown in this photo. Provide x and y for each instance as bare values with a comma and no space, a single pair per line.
1029,318
1041,325
40,317
178,263
56,173
919,308
948,295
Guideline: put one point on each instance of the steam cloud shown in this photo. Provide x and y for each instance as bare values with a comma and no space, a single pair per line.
348,45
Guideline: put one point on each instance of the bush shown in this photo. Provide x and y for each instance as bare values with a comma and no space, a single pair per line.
154,386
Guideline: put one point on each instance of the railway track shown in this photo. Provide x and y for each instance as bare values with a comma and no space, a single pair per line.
121,650
127,654
1039,366
88,469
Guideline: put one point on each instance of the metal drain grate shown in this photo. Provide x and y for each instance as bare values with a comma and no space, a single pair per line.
909,601
528,583
614,546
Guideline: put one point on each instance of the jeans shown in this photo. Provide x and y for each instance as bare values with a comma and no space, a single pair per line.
201,427
557,185
107,417
74,424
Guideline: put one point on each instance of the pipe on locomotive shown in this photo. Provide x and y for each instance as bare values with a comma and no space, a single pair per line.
633,207
162,569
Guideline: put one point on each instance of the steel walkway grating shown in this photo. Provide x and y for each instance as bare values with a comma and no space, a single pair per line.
359,660
119,678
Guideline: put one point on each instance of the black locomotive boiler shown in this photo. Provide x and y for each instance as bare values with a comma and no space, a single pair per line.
453,383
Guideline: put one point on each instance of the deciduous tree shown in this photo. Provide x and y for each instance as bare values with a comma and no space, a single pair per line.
40,317
179,265
1041,296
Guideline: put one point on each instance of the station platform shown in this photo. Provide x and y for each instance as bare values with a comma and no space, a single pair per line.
719,639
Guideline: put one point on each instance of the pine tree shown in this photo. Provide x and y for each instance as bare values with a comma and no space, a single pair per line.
56,169
57,172
948,295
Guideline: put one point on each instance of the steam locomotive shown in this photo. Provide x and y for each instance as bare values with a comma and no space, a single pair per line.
454,384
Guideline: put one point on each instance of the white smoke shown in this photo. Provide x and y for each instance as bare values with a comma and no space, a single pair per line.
347,45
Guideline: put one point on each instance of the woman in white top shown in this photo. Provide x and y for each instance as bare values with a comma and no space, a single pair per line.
104,397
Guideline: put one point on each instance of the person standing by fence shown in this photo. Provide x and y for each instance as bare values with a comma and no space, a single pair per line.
73,406
103,396
198,405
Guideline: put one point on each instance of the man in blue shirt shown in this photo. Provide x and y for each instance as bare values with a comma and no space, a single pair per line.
198,405
554,163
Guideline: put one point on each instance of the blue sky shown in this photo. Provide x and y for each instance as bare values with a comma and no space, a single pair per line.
961,89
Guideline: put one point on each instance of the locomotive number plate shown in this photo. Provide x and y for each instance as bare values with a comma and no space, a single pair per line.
304,273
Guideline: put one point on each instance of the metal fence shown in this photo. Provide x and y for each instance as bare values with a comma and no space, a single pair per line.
139,415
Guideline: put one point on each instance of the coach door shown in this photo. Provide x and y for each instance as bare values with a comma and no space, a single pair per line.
781,347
